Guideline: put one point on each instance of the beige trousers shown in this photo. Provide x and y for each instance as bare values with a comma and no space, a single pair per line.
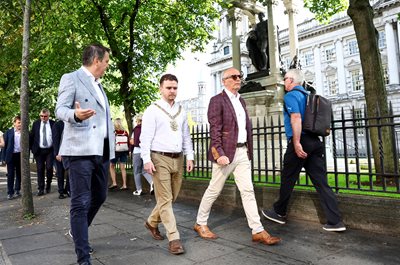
167,181
241,168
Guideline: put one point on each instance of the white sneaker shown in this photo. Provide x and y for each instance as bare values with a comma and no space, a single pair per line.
137,192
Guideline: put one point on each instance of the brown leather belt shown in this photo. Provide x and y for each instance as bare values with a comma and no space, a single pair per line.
240,144
172,155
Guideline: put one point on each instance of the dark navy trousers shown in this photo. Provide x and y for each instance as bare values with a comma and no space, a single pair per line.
88,183
14,174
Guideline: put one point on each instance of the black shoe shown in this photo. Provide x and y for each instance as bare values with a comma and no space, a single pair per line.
10,197
273,216
61,196
40,193
17,194
339,227
67,193
113,187
86,263
48,190
91,250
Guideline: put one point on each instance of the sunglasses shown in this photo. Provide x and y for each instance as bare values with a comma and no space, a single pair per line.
234,77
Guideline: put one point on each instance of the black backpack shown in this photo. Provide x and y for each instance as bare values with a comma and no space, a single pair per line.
317,115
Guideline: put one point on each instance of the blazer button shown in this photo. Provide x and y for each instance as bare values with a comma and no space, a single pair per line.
86,100
94,126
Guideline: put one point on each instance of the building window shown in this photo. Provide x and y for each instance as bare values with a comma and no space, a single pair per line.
353,47
381,39
307,58
329,53
359,122
332,85
385,74
355,80
226,50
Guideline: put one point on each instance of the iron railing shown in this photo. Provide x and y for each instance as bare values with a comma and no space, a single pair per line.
348,154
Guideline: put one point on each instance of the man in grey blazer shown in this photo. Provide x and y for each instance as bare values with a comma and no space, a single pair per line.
87,143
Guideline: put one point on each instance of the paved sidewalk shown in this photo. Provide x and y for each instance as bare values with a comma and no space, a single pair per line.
119,237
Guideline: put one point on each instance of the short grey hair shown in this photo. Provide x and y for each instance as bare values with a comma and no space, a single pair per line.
296,74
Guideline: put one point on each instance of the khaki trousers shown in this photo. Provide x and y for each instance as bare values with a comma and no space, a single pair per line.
167,181
241,168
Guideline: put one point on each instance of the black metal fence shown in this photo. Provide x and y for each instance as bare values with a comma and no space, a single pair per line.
349,155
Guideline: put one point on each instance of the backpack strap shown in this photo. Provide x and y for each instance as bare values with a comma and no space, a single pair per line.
305,93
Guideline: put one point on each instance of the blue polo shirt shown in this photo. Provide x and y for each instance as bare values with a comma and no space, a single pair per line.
295,102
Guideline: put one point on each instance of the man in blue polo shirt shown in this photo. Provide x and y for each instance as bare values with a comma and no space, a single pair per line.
303,150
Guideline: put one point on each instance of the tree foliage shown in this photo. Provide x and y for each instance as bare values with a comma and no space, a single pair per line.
144,37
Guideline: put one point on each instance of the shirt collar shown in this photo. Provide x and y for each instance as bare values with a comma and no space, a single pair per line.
89,74
231,95
165,104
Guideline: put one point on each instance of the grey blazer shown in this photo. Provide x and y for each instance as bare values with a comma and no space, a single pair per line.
83,138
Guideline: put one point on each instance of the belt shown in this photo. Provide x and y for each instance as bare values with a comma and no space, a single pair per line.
240,144
172,155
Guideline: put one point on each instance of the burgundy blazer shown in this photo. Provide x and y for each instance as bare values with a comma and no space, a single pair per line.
224,128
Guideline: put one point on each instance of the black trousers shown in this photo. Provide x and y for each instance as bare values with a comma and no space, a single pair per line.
61,178
44,162
315,166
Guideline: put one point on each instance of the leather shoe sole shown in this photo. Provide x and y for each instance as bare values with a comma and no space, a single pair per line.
265,238
155,233
204,232
175,247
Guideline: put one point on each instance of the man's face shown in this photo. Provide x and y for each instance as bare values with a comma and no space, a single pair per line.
17,125
44,116
169,90
232,80
287,82
101,66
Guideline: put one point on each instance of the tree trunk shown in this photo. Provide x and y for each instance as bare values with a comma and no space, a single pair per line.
27,200
361,13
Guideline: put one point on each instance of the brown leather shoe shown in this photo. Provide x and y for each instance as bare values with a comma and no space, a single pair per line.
155,233
265,238
204,231
175,247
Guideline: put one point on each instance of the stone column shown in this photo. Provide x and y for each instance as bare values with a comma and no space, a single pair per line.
291,10
319,85
393,67
235,40
273,38
341,73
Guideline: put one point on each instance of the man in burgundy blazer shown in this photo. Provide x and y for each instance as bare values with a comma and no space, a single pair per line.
231,150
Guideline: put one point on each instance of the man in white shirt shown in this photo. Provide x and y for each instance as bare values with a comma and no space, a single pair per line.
164,140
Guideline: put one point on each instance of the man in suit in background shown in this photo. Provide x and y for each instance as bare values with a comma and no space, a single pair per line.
231,149
88,142
12,157
41,144
57,132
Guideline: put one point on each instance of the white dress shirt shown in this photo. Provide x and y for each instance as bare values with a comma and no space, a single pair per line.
240,115
49,136
157,134
17,141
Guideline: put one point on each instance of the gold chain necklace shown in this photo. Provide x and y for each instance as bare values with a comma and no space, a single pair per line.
173,123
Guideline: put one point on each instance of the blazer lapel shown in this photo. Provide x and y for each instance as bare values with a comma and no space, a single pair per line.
229,104
88,84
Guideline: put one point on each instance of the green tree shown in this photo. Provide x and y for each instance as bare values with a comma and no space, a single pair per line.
144,37
362,14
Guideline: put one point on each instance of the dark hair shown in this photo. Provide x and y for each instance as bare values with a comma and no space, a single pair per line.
91,52
169,77
17,118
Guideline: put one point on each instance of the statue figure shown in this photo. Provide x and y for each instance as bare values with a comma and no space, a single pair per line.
257,44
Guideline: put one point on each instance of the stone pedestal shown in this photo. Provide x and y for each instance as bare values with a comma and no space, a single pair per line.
265,109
